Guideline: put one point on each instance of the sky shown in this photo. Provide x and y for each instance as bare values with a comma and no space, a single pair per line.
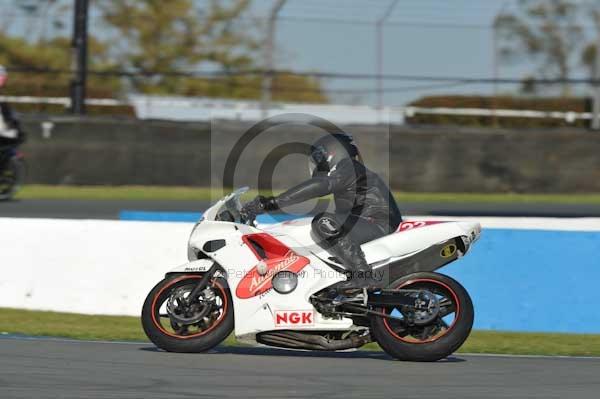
421,37
416,47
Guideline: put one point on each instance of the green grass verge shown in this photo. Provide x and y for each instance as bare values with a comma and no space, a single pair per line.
124,328
71,325
204,194
36,191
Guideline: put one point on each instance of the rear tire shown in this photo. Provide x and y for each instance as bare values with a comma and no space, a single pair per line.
444,340
161,331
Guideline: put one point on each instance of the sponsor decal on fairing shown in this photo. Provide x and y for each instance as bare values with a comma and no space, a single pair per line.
294,318
255,283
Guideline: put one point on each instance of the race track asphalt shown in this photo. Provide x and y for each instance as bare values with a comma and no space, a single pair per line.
109,209
46,368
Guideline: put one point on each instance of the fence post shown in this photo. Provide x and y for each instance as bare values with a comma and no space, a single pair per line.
79,45
269,46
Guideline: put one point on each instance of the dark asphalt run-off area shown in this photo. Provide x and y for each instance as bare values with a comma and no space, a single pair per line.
52,368
110,209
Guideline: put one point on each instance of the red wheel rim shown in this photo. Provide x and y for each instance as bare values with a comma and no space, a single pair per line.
437,336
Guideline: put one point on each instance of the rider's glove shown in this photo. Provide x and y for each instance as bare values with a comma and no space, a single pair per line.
257,206
268,203
253,208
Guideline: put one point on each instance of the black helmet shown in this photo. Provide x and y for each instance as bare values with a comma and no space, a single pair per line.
329,150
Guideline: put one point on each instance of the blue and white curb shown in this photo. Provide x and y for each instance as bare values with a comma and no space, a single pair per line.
188,217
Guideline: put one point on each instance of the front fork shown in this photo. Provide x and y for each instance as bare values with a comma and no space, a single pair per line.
193,297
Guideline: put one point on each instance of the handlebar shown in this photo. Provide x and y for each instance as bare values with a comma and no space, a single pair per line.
244,217
248,218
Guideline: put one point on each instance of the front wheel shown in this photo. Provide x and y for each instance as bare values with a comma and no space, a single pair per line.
176,326
430,334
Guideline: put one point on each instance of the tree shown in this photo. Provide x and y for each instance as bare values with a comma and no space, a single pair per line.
544,31
286,87
590,51
38,19
298,88
52,54
37,49
190,36
155,36
152,39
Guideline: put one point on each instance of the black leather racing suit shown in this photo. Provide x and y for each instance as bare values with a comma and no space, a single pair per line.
364,210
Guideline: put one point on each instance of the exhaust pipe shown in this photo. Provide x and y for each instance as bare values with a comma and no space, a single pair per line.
301,340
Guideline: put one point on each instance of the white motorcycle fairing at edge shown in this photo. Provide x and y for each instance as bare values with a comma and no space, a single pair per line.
275,286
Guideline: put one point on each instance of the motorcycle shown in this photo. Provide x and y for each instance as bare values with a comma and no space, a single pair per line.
274,286
12,172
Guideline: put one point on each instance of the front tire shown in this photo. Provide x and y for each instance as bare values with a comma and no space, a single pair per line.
215,317
438,338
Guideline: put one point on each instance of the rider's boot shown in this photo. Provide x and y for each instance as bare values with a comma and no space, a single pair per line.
353,258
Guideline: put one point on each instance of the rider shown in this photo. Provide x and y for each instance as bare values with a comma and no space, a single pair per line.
11,134
364,206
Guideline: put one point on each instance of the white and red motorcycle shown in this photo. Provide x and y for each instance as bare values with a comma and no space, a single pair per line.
275,286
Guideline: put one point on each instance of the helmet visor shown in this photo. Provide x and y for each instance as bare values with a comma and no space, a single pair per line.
318,161
318,155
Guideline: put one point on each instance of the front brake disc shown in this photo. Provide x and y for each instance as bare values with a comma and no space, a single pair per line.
183,314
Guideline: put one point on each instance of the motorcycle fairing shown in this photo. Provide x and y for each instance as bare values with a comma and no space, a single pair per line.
388,249
275,257
257,313
195,266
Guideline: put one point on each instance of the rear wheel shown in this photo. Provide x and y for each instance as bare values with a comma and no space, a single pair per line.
430,334
173,325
